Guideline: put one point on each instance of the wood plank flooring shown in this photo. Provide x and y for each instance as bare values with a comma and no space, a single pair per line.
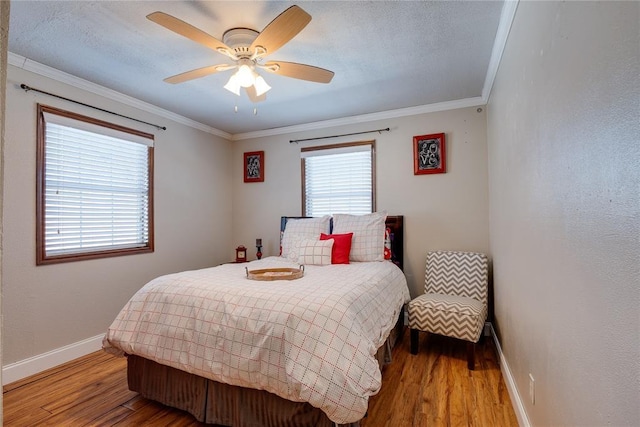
433,388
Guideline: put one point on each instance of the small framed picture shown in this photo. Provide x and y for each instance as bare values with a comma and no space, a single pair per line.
429,154
254,166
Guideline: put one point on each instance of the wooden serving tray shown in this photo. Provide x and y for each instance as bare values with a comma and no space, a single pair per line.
275,273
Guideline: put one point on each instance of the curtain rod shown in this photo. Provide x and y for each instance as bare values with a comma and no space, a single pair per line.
336,136
28,88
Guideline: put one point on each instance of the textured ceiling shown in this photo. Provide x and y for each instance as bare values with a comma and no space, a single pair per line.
386,55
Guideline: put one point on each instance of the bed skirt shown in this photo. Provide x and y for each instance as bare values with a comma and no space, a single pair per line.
223,404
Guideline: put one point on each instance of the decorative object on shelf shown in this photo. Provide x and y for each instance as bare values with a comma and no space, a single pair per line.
429,154
275,273
254,166
259,248
241,254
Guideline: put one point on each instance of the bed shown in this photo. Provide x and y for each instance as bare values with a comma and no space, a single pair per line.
239,352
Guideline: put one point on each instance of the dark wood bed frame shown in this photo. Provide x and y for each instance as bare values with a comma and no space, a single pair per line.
223,404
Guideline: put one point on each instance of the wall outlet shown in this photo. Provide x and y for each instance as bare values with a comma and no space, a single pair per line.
532,389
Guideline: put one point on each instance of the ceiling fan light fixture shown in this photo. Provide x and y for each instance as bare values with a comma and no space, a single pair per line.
261,86
245,76
233,85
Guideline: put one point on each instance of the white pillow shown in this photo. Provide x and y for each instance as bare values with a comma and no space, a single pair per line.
315,252
294,243
297,230
367,243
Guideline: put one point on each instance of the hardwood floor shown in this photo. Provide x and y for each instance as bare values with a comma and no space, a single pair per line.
433,388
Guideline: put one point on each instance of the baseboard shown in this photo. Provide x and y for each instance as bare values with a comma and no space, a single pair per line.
516,400
33,365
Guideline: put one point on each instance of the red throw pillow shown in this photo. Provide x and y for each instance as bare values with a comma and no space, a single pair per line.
341,247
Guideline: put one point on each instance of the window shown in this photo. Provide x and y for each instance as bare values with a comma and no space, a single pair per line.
94,188
338,179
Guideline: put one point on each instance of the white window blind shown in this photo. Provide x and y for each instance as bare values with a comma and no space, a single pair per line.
338,180
96,188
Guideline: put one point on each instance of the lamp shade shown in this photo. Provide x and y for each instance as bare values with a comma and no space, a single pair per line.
245,76
233,85
261,86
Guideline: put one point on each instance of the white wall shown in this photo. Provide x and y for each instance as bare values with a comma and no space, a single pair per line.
443,211
564,173
51,306
4,36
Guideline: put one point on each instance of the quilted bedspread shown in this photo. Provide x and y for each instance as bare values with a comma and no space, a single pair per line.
312,339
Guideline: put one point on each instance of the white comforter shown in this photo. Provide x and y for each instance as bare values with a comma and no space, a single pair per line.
312,339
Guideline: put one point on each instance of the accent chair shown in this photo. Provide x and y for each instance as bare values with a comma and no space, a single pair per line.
455,299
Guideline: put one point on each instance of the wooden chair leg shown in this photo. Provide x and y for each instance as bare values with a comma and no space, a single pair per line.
471,356
414,341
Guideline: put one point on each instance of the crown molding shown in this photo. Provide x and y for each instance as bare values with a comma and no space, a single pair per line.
62,77
384,115
506,20
504,27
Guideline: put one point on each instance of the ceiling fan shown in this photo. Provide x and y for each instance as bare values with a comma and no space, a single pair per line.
247,49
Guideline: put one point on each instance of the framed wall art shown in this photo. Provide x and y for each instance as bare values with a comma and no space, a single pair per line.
254,166
429,154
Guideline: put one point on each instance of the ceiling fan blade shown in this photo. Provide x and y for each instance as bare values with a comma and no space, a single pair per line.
299,71
251,93
197,73
282,29
189,31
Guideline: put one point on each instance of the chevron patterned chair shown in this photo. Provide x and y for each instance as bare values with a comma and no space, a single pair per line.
455,300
